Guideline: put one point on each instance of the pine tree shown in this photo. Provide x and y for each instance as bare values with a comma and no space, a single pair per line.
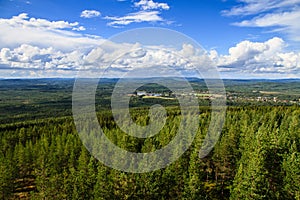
194,188
291,166
6,177
104,186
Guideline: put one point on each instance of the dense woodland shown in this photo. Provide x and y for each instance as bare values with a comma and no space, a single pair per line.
257,157
42,156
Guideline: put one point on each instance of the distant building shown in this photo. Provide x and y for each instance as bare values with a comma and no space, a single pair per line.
141,93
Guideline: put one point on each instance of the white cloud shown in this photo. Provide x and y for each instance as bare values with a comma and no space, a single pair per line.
287,22
90,13
24,21
115,55
258,58
149,11
255,58
29,44
5,55
35,58
151,5
279,15
53,49
137,17
253,7
21,29
80,28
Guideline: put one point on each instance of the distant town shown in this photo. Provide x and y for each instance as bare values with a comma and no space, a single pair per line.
256,96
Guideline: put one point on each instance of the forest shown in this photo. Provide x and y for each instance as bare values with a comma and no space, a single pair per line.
42,156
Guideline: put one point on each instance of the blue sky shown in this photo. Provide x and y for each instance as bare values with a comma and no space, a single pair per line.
246,38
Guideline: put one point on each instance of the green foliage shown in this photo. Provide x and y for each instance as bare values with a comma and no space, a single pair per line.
256,157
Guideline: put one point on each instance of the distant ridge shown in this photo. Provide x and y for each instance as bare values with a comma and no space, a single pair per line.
191,79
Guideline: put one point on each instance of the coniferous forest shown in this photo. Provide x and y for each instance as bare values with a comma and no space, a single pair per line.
42,156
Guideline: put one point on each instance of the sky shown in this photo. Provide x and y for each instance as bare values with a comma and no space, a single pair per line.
55,38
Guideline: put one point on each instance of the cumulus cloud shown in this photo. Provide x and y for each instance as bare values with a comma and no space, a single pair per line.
259,58
29,57
113,58
50,48
150,5
30,44
279,15
90,13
